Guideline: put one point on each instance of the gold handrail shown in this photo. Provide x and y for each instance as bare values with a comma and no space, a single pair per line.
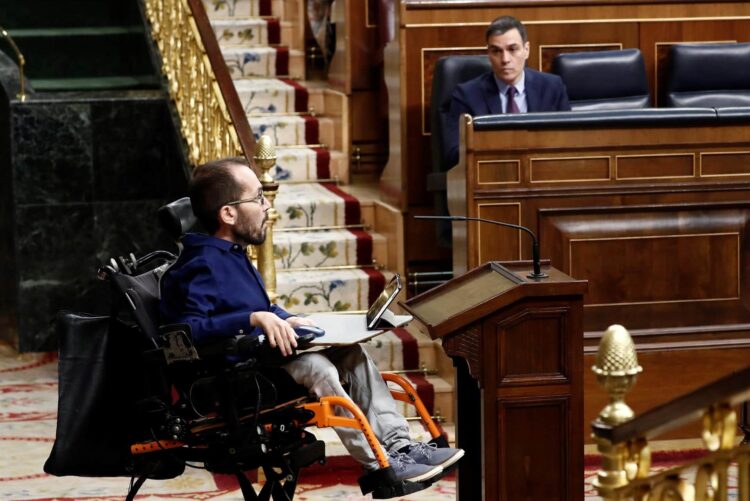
210,131
622,439
212,120
21,62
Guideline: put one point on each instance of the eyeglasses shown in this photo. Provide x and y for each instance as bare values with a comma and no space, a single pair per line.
260,199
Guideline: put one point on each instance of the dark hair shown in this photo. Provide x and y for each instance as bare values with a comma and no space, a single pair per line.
504,24
212,186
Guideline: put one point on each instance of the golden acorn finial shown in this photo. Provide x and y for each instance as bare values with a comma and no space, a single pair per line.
616,369
265,157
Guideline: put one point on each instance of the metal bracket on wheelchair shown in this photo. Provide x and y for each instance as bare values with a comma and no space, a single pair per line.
382,484
178,346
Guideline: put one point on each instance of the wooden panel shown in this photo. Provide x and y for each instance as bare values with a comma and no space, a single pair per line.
644,269
427,30
659,166
491,172
526,456
496,242
718,164
531,348
667,373
569,169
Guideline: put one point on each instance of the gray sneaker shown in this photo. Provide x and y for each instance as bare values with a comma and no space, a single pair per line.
432,455
408,470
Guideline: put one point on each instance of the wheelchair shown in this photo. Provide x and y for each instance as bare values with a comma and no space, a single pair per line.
226,406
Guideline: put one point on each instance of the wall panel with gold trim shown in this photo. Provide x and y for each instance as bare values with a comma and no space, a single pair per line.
428,30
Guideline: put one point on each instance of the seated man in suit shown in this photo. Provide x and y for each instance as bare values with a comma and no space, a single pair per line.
509,88
215,289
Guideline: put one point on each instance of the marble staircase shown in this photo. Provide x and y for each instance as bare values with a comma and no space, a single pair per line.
329,256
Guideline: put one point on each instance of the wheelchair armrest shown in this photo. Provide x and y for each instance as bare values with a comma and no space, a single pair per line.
178,346
239,346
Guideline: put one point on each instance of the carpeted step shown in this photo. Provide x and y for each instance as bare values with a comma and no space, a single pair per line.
315,205
249,62
309,164
326,290
286,130
254,32
403,348
436,395
303,164
237,9
271,95
313,249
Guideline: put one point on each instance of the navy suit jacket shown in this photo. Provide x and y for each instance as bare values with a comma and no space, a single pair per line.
480,96
214,288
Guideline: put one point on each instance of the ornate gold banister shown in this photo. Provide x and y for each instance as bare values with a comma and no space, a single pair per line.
623,439
212,119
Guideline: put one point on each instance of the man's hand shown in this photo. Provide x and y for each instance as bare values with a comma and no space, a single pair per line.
278,332
297,321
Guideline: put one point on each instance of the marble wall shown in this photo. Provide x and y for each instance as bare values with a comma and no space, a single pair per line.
81,178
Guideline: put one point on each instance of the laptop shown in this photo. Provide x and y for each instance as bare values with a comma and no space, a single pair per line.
343,328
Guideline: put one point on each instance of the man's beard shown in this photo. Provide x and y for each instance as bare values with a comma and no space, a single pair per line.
246,235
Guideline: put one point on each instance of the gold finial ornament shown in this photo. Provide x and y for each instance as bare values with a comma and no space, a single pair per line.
616,370
265,159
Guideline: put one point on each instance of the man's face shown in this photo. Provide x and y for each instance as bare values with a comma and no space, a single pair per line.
508,54
250,224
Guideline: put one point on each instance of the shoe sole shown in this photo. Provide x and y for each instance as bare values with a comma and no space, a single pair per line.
451,460
436,471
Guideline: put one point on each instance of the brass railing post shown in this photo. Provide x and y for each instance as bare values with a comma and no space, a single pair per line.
265,160
21,62
616,370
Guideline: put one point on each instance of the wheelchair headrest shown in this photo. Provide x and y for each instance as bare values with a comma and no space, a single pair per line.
177,217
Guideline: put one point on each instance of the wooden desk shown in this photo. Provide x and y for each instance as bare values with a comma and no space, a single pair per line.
655,218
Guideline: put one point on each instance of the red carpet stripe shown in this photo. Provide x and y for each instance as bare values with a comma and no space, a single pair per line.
265,8
364,247
274,30
376,284
282,60
312,132
352,211
323,163
425,390
410,348
301,95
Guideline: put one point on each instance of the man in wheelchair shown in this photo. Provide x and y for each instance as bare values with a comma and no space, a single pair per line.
213,288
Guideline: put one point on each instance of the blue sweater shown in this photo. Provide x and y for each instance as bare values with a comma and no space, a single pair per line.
214,288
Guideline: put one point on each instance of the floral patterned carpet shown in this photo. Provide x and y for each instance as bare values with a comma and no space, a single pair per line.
28,405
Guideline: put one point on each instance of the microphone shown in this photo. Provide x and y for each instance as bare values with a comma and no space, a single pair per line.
536,262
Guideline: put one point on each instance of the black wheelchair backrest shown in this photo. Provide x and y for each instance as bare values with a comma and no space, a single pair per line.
141,292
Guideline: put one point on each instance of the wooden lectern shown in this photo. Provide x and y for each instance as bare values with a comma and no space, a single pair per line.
517,344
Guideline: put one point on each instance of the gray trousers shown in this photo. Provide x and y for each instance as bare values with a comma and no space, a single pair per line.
323,371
